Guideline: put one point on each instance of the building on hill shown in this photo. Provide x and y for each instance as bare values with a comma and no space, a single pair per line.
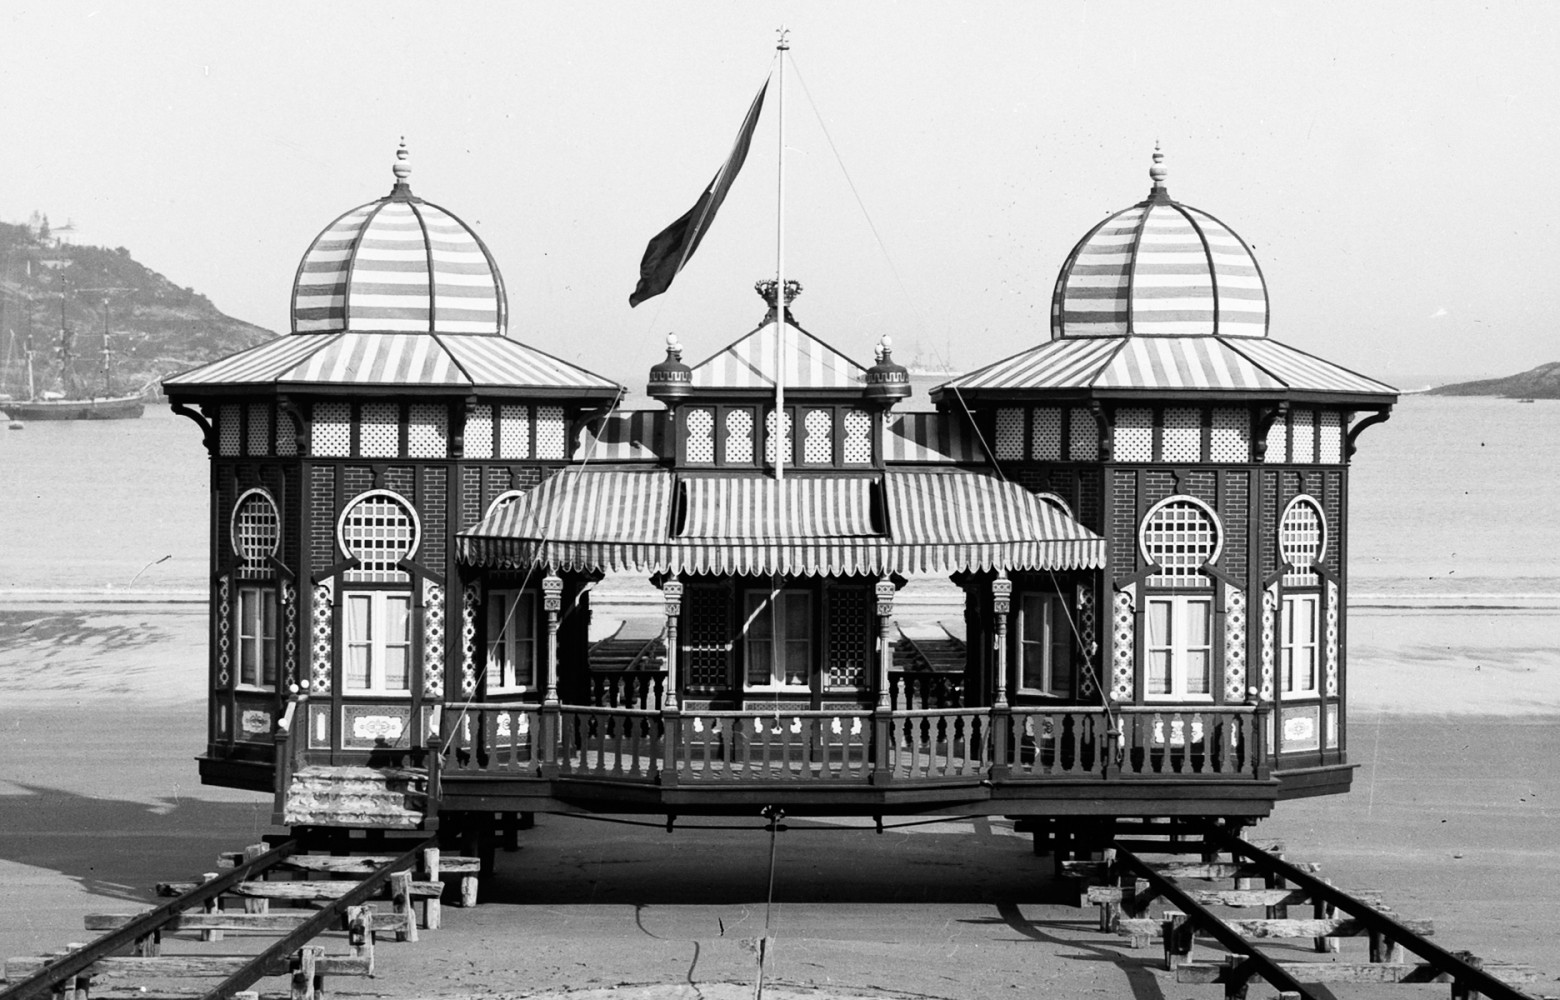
1146,516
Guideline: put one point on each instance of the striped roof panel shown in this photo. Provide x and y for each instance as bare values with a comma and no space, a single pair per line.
750,363
794,509
623,436
1160,268
398,264
1212,364
497,361
929,439
256,365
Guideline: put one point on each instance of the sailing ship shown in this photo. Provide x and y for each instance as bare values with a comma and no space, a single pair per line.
77,402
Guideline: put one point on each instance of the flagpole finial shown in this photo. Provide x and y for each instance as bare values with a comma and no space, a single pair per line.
402,169
1157,172
784,42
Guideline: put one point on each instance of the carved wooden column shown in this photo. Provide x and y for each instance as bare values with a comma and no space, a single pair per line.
1001,604
885,613
552,603
672,593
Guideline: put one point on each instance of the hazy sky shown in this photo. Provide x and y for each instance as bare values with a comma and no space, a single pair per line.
1393,164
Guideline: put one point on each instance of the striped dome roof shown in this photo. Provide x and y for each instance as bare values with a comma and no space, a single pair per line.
1160,268
399,265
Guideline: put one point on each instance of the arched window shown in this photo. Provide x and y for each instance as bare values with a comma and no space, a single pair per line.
379,529
256,531
1302,540
1179,535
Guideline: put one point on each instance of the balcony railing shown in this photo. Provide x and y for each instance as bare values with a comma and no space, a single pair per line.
837,748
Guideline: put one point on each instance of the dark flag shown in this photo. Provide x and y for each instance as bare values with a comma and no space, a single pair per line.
672,246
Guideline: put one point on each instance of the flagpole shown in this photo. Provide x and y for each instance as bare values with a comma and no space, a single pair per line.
780,310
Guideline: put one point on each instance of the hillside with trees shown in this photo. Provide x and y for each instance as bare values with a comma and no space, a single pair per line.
155,327
1542,382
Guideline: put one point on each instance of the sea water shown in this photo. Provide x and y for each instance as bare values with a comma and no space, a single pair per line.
1452,499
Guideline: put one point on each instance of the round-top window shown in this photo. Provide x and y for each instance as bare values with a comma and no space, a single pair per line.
256,532
1180,535
379,529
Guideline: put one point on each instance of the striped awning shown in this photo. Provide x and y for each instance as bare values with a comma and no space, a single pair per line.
938,522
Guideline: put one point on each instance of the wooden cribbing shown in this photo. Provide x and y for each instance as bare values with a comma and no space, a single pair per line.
304,891
181,966
364,864
1223,897
1335,927
1352,972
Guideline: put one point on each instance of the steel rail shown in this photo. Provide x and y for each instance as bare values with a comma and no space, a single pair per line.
259,967
45,980
1204,919
1439,958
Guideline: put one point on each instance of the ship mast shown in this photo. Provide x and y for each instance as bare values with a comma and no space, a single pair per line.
780,437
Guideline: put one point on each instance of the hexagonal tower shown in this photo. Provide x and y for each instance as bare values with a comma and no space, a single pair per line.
344,458
1213,459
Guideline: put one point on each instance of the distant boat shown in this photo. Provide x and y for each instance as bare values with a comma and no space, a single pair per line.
1524,401
80,405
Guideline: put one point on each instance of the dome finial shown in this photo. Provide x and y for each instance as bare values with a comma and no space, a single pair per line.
1157,172
402,169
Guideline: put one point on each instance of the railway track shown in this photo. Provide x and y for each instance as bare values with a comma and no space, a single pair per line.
1198,910
130,946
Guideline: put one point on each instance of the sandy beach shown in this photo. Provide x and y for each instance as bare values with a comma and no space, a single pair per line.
1454,722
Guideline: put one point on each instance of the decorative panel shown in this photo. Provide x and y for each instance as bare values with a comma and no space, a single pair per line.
1124,644
259,442
427,430
818,437
514,432
1134,434
1332,727
323,639
1302,436
1083,437
1182,439
739,436
379,432
858,437
1010,433
1269,640
286,434
1234,644
470,603
848,634
706,637
1302,727
224,632
1332,640
371,727
331,430
229,428
1277,442
699,446
433,639
290,634
1229,440
1330,434
319,726
479,432
1087,685
549,432
771,437
1046,435
254,724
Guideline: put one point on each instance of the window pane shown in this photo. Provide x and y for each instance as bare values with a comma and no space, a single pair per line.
1158,620
1159,672
522,668
1198,624
357,668
1197,673
497,646
796,661
759,666
358,617
358,633
398,668
798,616
1033,610
760,623
268,662
398,619
1033,666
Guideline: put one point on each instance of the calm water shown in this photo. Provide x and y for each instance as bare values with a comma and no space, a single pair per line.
1454,497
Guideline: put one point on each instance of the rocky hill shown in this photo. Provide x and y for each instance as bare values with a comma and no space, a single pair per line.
1542,382
155,327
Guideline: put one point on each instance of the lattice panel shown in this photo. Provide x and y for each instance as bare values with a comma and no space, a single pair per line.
1229,440
858,437
379,434
849,637
514,432
1086,628
739,436
256,532
331,433
818,437
224,630
1124,645
549,432
1182,440
427,431
1302,540
1083,435
1010,433
1046,433
323,638
289,634
1330,437
1234,644
1134,434
699,445
433,639
771,437
1179,536
470,603
706,642
259,442
1332,640
229,428
286,434
1277,442
1269,640
479,432
1302,436
1332,727
380,531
